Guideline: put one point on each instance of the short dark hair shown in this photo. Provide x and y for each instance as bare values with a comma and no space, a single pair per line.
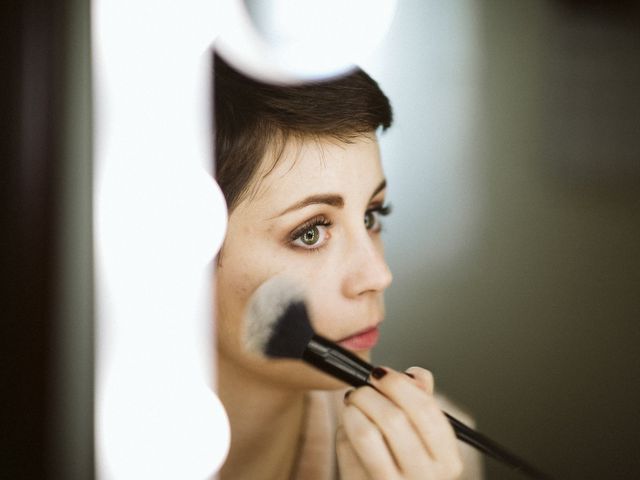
251,115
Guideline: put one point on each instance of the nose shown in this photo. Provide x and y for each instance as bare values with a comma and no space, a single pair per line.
367,271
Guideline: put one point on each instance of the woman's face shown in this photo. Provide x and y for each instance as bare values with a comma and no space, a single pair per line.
315,218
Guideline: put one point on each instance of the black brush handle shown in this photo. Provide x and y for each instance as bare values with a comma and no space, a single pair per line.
346,366
494,450
337,362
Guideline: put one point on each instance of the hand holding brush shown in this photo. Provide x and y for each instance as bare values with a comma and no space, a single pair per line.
278,326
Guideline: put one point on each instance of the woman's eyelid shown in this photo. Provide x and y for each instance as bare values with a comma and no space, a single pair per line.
378,201
298,243
315,221
377,210
380,207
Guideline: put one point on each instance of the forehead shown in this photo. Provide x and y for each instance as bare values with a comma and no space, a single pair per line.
316,165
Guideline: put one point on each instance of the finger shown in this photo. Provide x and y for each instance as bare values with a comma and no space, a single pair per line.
402,439
423,378
423,412
368,444
349,464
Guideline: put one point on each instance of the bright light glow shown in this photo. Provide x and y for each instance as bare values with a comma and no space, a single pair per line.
160,217
284,40
160,220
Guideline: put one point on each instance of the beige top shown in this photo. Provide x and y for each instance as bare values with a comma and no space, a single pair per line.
317,459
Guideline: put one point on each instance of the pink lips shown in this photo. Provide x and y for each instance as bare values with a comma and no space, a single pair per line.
363,340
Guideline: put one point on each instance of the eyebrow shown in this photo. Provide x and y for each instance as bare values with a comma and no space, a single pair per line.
331,199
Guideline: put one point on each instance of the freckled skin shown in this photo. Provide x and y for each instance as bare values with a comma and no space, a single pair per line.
344,279
334,251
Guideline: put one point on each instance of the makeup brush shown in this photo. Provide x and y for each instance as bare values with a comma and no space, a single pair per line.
278,326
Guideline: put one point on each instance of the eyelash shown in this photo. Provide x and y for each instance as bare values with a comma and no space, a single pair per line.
321,220
380,210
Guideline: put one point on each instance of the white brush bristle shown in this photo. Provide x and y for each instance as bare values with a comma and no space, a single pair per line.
267,304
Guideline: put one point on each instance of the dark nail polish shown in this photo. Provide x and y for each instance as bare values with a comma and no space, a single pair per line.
378,373
410,375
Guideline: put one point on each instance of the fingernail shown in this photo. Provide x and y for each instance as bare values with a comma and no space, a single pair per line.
410,375
378,373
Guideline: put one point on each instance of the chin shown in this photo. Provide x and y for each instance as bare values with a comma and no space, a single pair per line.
364,355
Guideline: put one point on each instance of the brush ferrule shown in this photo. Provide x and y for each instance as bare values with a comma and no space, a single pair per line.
337,361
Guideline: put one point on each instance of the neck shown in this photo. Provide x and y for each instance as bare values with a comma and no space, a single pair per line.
257,410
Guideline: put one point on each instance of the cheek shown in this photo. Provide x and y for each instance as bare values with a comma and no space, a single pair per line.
326,304
239,274
235,280
379,243
248,263
243,265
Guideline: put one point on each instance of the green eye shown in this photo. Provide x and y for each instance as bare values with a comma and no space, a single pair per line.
369,220
311,236
372,217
